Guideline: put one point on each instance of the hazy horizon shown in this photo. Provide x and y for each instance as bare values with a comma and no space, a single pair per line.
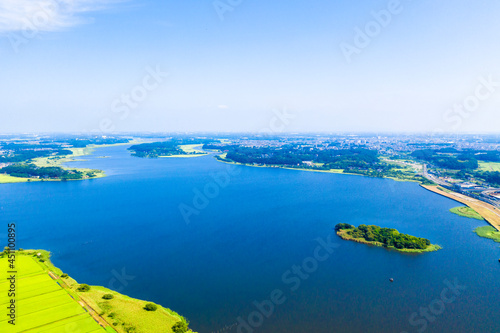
114,66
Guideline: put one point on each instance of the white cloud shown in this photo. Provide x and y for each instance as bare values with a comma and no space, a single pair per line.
222,106
46,15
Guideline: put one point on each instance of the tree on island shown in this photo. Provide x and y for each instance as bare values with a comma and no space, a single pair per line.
388,237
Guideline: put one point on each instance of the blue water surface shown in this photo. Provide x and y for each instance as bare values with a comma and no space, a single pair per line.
248,231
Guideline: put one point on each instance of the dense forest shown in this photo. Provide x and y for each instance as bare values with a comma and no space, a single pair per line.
492,177
446,159
32,171
293,155
388,237
451,158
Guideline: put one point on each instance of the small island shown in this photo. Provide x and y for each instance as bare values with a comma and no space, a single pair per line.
385,237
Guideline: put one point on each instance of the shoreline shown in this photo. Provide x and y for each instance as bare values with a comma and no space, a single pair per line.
332,171
58,161
431,248
119,314
488,212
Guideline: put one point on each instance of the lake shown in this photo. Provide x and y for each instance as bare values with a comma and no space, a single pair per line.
254,234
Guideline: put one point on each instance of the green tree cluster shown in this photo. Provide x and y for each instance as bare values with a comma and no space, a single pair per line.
388,237
31,170
180,326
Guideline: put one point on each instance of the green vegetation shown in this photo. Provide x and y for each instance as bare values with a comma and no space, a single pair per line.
192,149
84,142
156,149
466,212
488,232
386,237
48,303
16,152
48,168
150,307
83,288
42,305
180,326
33,171
448,158
6,179
356,161
489,166
171,148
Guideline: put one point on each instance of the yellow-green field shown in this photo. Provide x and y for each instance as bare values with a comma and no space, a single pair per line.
53,161
193,149
42,305
5,179
190,151
489,166
52,303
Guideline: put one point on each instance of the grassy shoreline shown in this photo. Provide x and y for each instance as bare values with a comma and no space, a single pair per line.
332,171
120,314
343,234
465,211
190,151
488,212
58,161
488,232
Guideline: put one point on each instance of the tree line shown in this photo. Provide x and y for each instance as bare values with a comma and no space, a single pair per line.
32,171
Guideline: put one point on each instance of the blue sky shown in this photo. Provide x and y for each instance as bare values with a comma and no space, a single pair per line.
67,65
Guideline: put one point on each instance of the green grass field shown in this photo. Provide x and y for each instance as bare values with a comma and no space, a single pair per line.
52,305
466,212
191,149
488,232
489,166
42,305
6,179
126,313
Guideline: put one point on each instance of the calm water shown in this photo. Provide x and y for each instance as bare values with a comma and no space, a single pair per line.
259,224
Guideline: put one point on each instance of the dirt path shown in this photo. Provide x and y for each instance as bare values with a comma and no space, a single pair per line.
489,212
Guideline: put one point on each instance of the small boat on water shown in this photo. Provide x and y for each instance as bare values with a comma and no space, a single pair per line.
392,280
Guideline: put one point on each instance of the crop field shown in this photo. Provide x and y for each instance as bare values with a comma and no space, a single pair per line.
489,166
191,149
42,305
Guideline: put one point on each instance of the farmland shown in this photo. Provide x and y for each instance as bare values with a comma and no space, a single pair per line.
49,301
42,305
